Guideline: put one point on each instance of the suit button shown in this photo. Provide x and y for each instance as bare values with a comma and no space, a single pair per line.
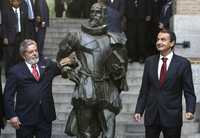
40,102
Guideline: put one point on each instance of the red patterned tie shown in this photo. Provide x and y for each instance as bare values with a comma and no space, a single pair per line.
163,71
35,72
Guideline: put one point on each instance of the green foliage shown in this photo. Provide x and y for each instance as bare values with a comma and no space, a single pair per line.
51,5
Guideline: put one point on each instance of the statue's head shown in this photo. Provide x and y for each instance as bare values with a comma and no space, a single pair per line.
69,44
97,22
97,15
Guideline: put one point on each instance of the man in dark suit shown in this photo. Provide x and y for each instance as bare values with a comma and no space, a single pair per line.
14,26
1,107
31,18
115,9
85,7
1,56
42,22
153,26
137,13
166,76
166,14
59,7
74,8
1,97
31,81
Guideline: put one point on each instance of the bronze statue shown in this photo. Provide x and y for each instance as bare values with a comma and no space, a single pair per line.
98,65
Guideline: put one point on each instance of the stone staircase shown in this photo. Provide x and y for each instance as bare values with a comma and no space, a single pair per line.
62,91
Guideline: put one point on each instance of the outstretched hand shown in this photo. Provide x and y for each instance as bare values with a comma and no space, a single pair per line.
14,121
65,61
137,117
189,115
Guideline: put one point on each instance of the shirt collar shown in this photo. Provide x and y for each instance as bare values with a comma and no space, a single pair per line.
14,9
30,66
169,56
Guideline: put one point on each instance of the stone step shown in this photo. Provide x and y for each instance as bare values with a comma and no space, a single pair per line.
141,135
131,80
132,127
129,129
126,114
63,97
66,27
127,108
125,135
55,36
133,89
133,83
66,20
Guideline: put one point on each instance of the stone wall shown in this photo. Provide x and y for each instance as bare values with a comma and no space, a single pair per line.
185,23
188,7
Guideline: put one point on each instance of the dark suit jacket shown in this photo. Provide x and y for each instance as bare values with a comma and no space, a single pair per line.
115,14
33,98
166,13
10,22
42,10
166,101
1,106
59,7
1,97
156,6
137,13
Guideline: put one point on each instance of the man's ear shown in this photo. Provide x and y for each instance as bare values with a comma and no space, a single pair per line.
22,55
172,43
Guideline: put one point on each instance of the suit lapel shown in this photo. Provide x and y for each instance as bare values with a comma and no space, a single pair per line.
27,72
171,69
41,67
155,70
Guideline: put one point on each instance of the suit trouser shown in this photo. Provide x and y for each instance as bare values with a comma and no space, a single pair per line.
11,54
40,38
152,32
1,104
155,130
31,29
41,130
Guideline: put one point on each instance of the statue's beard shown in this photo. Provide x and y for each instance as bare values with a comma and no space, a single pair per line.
33,60
94,27
94,23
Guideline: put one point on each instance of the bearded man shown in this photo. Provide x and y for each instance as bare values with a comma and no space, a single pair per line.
98,68
31,82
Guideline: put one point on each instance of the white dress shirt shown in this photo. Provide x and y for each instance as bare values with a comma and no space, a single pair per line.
30,68
0,17
30,9
169,58
18,18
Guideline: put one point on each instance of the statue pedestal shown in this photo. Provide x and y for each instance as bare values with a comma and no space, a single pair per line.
187,28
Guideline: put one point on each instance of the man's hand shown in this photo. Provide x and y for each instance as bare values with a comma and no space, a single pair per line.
14,121
5,41
148,18
189,116
161,25
38,19
137,117
43,24
65,61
